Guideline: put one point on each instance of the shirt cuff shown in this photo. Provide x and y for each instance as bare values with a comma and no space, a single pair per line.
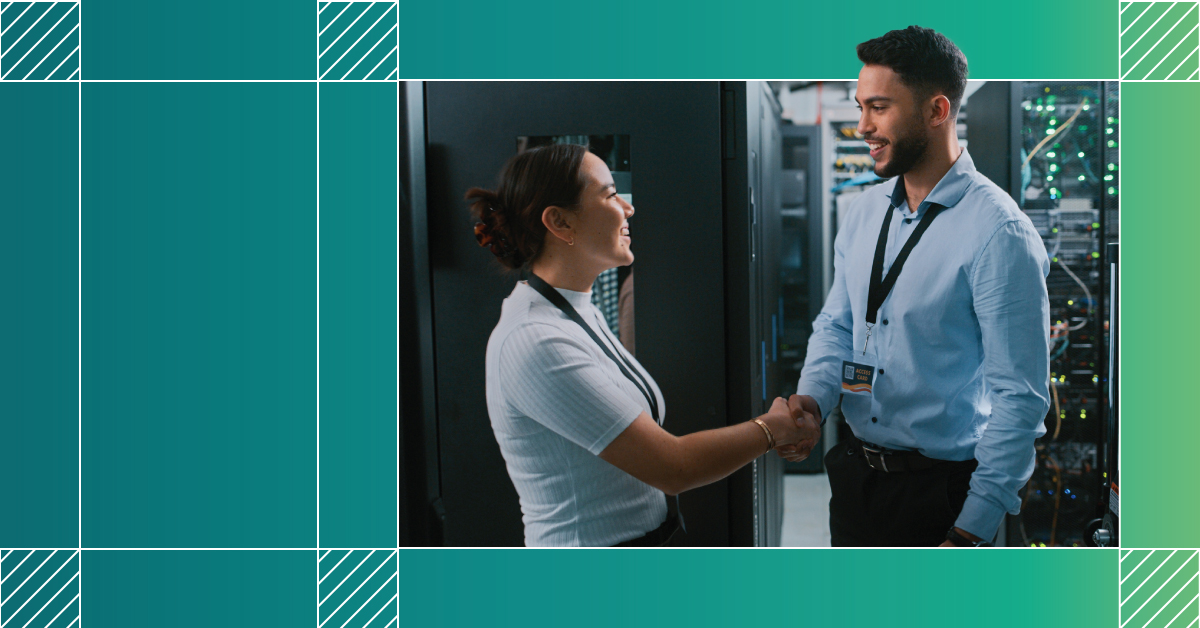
825,399
980,517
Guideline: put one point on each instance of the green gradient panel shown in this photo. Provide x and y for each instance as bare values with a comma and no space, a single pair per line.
199,315
1161,217
220,40
358,314
759,39
39,235
920,588
194,589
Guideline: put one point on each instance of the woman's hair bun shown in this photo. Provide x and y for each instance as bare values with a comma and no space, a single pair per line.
491,226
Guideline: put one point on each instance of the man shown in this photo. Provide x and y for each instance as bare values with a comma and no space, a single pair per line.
935,335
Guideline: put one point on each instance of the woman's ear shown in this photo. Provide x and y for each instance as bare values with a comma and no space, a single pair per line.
558,223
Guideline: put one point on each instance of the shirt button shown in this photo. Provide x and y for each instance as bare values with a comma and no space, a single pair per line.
885,321
908,221
874,420
881,371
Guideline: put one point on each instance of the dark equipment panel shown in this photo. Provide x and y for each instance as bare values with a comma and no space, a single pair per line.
1053,146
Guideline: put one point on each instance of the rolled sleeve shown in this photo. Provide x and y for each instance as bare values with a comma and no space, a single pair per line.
1010,301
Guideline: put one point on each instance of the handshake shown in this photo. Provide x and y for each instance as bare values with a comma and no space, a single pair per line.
796,426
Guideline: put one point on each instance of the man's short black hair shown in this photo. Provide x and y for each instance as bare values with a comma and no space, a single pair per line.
927,62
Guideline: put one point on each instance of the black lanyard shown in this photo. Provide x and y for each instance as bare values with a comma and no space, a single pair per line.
880,286
627,369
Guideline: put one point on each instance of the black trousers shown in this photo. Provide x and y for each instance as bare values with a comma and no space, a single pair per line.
871,508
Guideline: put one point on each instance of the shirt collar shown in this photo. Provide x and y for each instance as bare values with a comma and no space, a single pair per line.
948,191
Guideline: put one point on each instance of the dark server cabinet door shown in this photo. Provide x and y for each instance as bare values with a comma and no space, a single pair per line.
753,154
674,132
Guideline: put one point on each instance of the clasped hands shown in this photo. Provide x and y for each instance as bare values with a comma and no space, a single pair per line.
795,425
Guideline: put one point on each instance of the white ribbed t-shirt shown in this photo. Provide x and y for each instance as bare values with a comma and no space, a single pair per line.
556,401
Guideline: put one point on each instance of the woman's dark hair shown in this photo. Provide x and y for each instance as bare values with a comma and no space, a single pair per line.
509,220
927,62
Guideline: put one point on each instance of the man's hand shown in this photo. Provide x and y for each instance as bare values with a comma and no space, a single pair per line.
807,414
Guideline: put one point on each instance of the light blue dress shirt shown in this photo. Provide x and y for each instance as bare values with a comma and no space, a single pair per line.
962,341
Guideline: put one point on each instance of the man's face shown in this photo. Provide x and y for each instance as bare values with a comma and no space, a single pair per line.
892,122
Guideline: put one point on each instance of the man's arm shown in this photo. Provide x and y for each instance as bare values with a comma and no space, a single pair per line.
1009,295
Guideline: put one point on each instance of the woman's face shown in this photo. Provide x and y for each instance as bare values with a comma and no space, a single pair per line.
602,222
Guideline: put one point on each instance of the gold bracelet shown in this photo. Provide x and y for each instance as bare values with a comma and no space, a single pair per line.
767,431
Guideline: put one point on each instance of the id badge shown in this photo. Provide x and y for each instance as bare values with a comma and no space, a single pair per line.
858,373
859,376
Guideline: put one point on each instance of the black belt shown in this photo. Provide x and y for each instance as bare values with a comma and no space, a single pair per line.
897,461
656,537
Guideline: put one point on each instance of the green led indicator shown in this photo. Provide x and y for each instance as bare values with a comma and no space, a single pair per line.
1095,225
1095,255
1110,119
1112,144
1112,190
1112,166
1050,177
1049,131
1083,127
1082,178
1054,191
1108,130
1053,167
1050,154
1108,177
1053,122
1081,154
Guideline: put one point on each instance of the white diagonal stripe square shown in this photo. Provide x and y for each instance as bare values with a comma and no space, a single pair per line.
385,36
12,45
348,597
1160,588
360,564
60,42
346,30
351,47
1135,42
1164,36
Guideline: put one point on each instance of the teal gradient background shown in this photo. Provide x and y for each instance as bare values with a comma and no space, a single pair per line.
213,40
199,315
757,39
198,589
1160,219
39,235
358,315
919,588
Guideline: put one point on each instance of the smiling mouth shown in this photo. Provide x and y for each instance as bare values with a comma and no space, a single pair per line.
876,147
625,231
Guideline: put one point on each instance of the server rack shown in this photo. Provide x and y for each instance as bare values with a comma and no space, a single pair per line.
703,158
1053,146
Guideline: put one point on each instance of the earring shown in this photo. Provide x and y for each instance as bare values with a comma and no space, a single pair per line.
571,243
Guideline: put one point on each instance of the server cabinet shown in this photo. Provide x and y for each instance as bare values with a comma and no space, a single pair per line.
702,331
802,281
1053,147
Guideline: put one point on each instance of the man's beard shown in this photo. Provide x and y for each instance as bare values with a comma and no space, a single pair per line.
906,152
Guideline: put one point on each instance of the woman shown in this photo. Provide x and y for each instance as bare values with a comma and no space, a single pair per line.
577,418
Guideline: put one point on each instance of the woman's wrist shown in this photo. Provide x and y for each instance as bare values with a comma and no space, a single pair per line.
767,432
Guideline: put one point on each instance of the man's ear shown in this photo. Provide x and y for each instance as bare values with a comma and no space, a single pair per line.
940,111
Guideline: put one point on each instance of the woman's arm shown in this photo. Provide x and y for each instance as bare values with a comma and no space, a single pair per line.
674,464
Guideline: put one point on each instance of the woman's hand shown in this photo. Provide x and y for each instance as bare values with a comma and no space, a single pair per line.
791,426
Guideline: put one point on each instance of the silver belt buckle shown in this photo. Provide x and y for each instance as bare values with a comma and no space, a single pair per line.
867,451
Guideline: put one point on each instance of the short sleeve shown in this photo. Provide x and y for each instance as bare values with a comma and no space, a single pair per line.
557,381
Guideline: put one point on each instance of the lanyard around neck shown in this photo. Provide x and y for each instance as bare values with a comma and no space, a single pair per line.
627,369
881,286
